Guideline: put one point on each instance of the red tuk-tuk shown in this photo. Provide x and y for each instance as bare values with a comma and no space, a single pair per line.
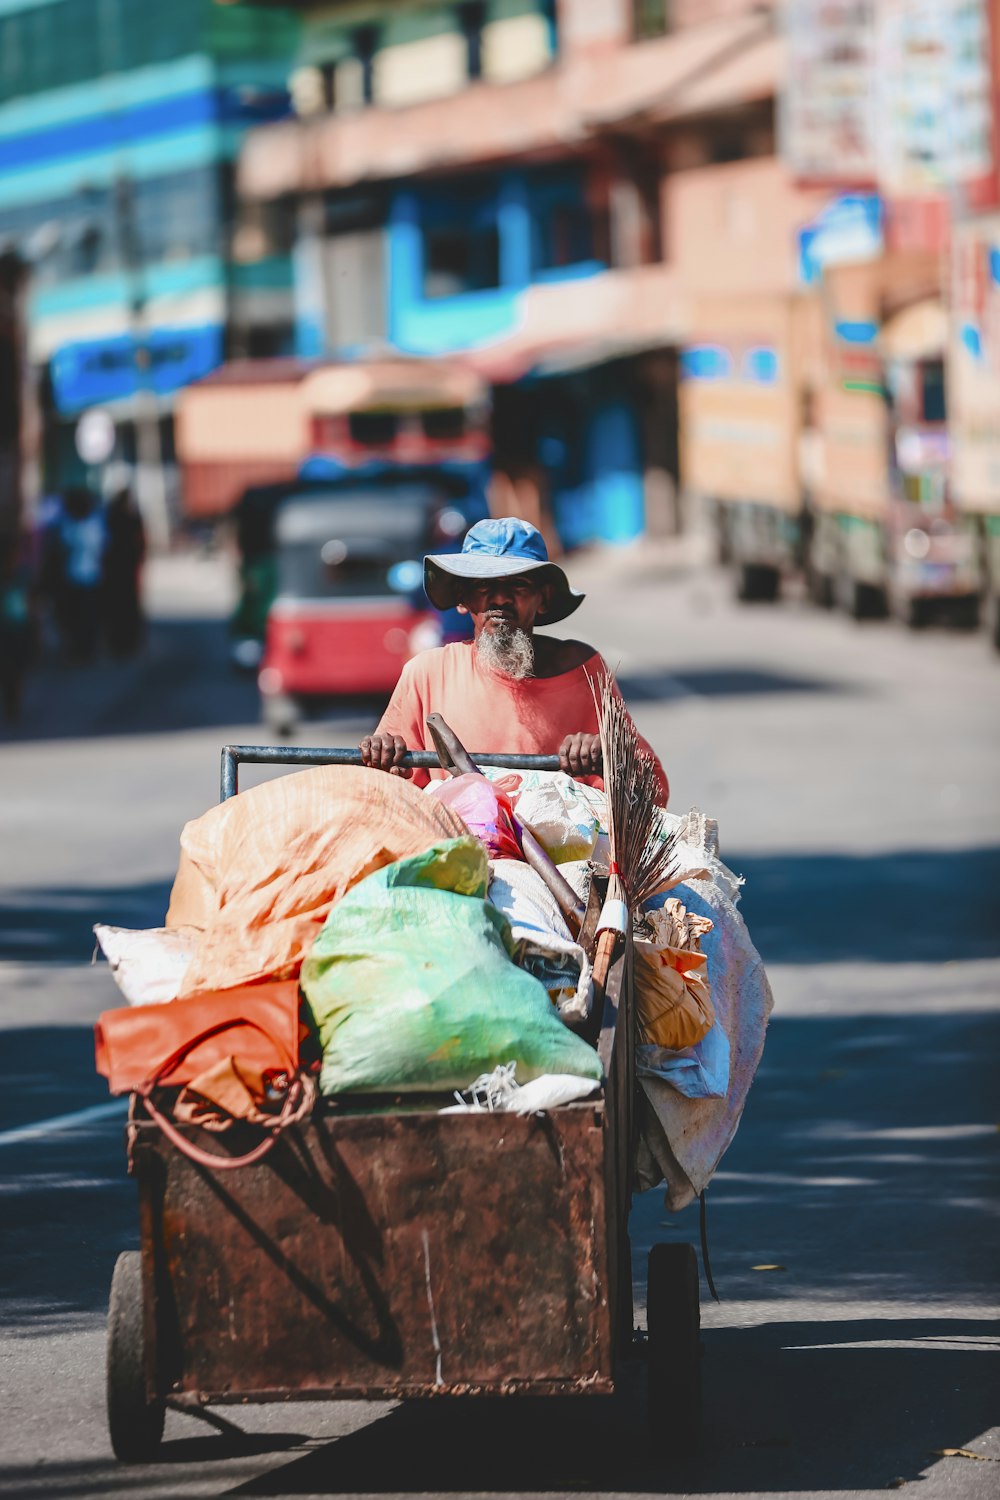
349,610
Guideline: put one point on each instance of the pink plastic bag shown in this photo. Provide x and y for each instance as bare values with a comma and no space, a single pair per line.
484,809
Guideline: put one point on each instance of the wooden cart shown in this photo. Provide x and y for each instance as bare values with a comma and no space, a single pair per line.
386,1250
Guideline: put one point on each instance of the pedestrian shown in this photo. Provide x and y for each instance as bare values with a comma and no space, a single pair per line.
80,539
17,623
124,552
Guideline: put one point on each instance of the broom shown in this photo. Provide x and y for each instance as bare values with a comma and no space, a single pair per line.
642,859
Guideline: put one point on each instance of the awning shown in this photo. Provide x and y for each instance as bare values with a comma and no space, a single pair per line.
717,65
919,331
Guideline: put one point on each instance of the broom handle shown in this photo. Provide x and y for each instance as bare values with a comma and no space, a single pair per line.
447,741
607,942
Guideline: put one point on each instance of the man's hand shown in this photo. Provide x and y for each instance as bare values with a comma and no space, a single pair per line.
580,755
383,752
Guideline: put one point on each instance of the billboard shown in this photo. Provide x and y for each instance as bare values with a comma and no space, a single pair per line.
974,364
892,93
828,121
738,403
935,116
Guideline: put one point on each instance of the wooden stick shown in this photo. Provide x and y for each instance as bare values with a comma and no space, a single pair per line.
604,956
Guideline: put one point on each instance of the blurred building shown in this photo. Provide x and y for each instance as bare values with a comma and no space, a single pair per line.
547,190
119,124
891,109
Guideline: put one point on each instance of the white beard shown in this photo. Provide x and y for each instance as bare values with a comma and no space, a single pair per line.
507,650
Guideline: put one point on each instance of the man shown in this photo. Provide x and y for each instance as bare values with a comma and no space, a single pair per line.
508,688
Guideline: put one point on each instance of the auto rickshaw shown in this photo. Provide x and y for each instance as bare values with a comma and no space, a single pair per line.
348,610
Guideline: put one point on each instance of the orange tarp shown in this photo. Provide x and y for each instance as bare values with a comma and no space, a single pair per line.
259,873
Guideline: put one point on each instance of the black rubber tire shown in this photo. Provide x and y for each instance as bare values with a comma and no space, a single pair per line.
673,1321
914,613
966,613
862,601
821,589
758,583
135,1424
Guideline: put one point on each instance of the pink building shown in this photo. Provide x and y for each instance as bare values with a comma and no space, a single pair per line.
553,191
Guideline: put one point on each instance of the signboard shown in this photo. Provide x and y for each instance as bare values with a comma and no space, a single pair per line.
897,94
828,119
847,229
855,429
974,365
935,113
738,404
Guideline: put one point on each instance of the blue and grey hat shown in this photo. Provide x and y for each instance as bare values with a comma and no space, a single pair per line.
503,548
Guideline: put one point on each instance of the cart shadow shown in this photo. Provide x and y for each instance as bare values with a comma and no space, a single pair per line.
827,907
659,684
790,1407
54,924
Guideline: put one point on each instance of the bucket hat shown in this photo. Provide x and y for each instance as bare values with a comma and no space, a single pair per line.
506,547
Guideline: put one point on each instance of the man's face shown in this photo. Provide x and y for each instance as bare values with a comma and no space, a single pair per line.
504,604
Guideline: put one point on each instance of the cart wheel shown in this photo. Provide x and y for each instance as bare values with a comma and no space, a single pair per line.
673,1319
136,1424
758,583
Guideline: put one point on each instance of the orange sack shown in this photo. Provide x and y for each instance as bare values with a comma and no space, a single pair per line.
259,873
673,999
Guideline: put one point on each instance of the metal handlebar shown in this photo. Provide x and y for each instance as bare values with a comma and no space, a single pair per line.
233,756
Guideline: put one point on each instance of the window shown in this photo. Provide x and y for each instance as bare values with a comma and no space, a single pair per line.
932,390
372,429
649,19
71,41
445,424
471,16
461,258
177,215
366,39
262,341
561,224
137,219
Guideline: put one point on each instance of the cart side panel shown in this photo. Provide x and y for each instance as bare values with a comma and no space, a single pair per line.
396,1254
617,1051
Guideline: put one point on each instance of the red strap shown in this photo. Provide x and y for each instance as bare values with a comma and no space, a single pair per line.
298,1106
164,1069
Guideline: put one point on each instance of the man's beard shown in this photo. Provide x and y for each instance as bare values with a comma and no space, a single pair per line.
507,649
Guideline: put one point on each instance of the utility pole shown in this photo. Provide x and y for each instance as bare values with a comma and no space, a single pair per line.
151,488
151,491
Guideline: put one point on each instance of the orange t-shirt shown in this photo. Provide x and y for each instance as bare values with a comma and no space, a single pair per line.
490,711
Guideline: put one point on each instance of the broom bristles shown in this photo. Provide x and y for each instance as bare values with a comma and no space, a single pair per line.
642,857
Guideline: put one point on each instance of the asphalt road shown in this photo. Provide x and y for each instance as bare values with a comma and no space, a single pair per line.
854,774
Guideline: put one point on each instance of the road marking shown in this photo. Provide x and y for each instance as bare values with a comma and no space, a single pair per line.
63,1122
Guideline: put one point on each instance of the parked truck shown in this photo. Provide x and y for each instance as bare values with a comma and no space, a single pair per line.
740,382
974,402
816,426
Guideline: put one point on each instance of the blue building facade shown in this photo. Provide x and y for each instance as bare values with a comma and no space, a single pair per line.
461,255
448,265
443,264
120,121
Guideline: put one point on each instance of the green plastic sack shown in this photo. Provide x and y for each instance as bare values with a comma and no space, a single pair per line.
412,986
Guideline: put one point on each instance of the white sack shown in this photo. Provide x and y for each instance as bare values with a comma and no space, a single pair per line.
148,963
544,944
566,816
684,1139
